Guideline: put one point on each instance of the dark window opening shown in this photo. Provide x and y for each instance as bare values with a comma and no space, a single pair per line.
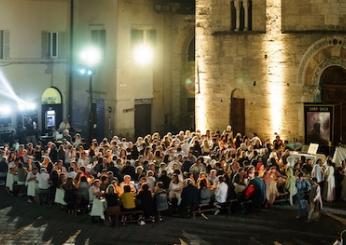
191,51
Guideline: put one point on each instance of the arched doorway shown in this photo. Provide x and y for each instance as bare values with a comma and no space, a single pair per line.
237,115
52,109
333,91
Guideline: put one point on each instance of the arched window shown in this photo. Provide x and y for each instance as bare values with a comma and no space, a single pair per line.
241,15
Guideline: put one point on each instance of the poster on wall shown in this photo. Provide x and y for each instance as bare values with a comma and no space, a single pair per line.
318,123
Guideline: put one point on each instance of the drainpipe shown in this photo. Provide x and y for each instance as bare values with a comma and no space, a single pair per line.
71,64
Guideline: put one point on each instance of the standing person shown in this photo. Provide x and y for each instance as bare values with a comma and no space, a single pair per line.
161,200
302,188
32,184
343,182
113,205
256,188
146,202
315,200
270,180
189,197
43,185
317,172
341,239
64,125
329,182
70,195
30,129
291,184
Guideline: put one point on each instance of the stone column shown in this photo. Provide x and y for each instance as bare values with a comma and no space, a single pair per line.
246,14
237,6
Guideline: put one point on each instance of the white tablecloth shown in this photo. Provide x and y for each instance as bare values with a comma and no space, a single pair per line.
59,196
98,208
10,179
299,155
32,188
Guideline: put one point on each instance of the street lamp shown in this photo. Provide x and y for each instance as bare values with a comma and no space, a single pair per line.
90,57
143,54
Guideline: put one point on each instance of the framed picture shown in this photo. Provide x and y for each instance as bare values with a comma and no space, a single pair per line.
318,123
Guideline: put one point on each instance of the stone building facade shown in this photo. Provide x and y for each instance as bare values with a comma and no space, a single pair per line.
259,61
128,98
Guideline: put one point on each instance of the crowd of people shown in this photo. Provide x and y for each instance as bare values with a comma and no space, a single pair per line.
174,173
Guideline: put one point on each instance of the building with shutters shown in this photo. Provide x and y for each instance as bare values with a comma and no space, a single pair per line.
259,65
40,44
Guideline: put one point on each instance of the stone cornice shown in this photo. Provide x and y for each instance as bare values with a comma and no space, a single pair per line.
237,33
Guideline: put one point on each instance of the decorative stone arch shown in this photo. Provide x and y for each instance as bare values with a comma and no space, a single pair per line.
51,108
237,93
329,51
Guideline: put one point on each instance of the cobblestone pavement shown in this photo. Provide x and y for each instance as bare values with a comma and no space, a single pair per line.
24,223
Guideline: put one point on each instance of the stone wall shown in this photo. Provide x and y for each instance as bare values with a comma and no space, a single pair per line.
314,15
263,66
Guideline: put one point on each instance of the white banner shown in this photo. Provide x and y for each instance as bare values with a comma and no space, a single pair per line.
339,155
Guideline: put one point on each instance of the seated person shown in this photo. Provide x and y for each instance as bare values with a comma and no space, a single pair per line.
127,182
204,193
221,191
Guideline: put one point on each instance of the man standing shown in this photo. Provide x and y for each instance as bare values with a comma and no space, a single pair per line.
302,187
315,200
317,172
43,185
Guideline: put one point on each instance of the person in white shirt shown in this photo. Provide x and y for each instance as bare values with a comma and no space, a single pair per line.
221,191
341,239
32,184
317,172
64,125
43,185
220,194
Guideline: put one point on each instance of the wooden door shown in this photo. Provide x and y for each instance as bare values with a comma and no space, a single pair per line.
237,119
333,83
142,119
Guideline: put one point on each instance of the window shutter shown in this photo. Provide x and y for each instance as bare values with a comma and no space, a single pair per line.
62,47
151,37
6,44
45,44
137,36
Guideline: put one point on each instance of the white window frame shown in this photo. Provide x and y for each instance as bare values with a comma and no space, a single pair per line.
51,46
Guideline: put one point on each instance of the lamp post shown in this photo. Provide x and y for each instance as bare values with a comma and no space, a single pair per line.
90,57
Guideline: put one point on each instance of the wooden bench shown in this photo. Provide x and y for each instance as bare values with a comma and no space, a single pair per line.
246,206
204,208
282,199
130,216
